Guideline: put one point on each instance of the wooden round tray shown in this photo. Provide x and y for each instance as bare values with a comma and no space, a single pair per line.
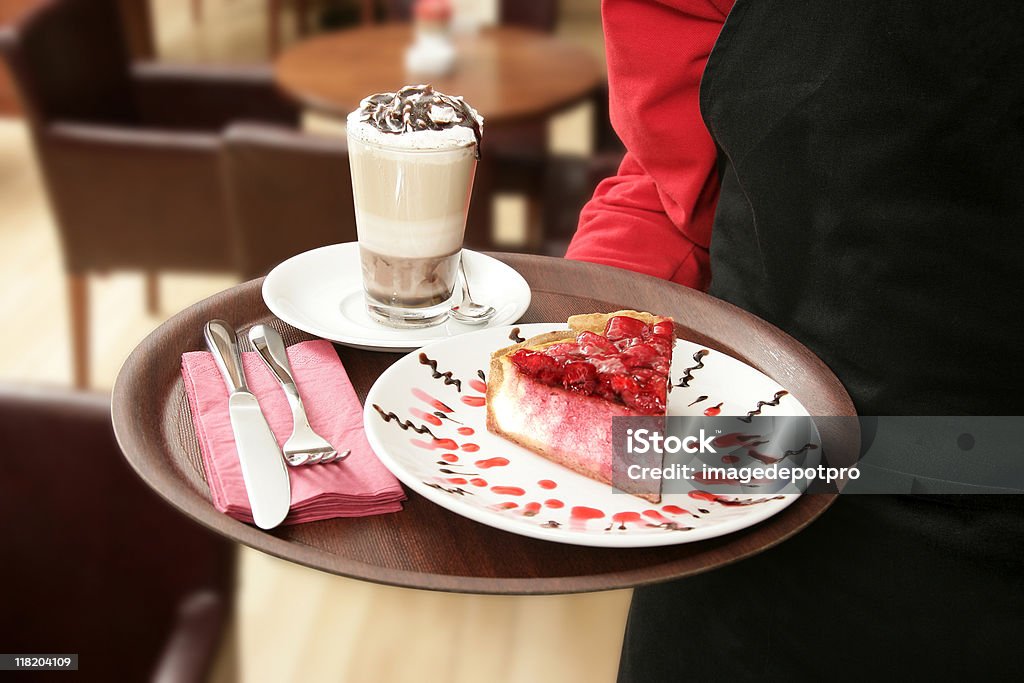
426,546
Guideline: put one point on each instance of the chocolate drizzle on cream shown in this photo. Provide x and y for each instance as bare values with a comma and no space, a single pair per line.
446,376
416,108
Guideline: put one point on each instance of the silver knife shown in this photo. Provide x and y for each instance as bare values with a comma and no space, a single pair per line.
263,468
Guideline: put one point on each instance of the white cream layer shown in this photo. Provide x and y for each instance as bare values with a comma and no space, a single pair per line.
408,238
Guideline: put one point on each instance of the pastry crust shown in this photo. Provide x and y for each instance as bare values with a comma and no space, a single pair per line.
596,322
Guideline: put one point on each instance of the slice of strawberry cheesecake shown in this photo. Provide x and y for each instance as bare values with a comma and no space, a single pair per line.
556,393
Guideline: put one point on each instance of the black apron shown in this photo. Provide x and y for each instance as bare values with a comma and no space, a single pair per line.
872,206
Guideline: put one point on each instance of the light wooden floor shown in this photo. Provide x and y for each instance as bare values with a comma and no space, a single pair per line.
292,623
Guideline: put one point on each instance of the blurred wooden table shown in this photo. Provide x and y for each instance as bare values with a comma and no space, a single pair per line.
425,545
506,73
515,77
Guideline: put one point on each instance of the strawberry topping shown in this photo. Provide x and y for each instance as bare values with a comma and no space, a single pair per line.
580,377
624,327
594,344
629,364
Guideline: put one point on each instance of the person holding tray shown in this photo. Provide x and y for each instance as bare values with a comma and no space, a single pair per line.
850,172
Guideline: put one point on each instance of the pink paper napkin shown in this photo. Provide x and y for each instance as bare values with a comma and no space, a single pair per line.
358,486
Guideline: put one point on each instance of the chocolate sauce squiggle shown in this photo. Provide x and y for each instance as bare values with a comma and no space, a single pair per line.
418,107
744,502
441,416
406,425
699,358
699,399
514,336
446,376
769,460
458,490
762,404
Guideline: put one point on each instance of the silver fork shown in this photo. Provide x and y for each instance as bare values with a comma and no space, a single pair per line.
304,446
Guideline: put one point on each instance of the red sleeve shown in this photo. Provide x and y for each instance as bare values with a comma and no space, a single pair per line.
655,216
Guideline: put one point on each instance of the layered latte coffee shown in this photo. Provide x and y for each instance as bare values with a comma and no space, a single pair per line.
413,155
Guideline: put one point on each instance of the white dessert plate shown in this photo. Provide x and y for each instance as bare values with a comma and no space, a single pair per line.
461,466
320,292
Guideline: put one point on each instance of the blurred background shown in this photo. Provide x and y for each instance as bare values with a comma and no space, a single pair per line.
127,193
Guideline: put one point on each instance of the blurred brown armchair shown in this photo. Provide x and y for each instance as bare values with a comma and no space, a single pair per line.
94,562
130,153
292,189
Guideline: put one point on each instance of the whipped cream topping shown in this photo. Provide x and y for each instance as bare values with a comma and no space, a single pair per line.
419,117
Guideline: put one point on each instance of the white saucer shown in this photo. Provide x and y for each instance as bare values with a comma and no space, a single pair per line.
320,292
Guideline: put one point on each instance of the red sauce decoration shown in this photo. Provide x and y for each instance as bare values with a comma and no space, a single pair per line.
450,457
554,503
656,516
733,439
508,490
430,400
491,462
426,417
530,509
703,495
622,517
766,459
457,480
446,444
477,481
470,447
713,410
674,510
467,431
546,484
582,513
475,401
730,459
506,506
478,385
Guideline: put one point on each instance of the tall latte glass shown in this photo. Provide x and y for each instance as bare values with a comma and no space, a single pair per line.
413,156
